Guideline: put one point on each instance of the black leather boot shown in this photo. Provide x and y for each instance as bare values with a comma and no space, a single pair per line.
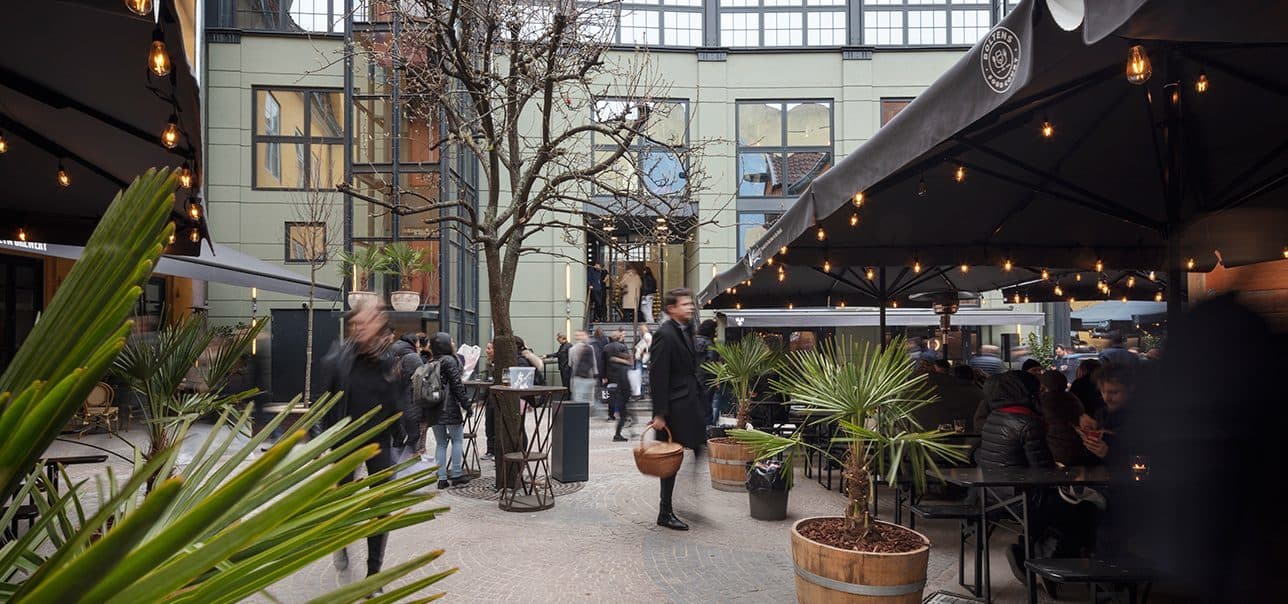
668,519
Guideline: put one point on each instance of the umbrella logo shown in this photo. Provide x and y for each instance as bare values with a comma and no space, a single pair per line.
1000,58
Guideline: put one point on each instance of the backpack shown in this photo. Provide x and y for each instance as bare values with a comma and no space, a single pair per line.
427,385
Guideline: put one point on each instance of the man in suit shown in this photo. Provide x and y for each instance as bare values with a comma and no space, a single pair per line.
673,373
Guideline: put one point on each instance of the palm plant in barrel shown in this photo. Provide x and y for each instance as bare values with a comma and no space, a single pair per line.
739,368
867,398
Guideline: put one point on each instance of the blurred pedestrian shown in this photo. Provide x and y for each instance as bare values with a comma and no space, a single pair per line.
673,372
989,360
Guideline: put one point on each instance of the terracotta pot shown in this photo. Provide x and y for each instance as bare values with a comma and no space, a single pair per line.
359,299
405,301
828,574
728,460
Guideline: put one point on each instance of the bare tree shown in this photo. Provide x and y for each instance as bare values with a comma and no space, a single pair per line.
318,238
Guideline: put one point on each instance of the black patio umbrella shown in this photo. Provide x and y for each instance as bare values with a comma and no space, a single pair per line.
1037,148
79,101
1141,286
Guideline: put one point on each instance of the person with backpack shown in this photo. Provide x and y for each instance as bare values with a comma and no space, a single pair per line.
437,386
648,291
411,438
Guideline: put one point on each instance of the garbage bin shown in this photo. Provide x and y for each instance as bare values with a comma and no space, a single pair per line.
570,451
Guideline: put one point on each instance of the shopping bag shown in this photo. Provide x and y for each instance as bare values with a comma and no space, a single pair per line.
636,377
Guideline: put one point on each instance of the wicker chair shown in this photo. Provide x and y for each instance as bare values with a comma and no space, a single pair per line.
99,410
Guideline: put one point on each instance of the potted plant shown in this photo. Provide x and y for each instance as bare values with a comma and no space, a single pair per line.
870,396
741,364
361,265
405,261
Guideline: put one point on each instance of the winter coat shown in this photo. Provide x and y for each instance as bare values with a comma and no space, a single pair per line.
1061,411
455,401
1014,434
673,375
404,349
582,359
617,372
631,284
368,382
642,346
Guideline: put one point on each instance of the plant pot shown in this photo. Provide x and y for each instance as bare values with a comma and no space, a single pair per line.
404,301
768,505
360,299
728,463
829,574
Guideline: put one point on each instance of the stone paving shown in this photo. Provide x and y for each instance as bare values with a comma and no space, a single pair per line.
600,544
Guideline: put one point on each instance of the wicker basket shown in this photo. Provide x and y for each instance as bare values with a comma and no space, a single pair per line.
661,459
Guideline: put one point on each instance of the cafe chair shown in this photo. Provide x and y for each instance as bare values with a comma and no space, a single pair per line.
99,410
1104,576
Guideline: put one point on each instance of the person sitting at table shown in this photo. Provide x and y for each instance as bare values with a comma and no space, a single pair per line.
1084,387
1099,432
958,398
1062,412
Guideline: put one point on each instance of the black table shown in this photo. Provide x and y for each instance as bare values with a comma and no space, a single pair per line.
523,465
1025,482
477,392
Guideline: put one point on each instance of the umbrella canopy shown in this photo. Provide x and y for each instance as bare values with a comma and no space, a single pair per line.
1037,149
76,92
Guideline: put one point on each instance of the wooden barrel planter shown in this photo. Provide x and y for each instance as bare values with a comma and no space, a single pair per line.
829,575
728,462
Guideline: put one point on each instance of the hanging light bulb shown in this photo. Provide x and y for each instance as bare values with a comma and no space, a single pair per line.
194,235
4,145
1077,277
1048,130
1131,281
1006,265
854,219
1124,299
916,266
185,176
1151,276
894,304
770,261
1017,297
141,8
1058,290
858,199
1100,266
64,179
1026,298
1138,66
783,250
871,273
781,275
841,304
1158,296
171,239
170,136
1072,299
1189,264
790,306
827,266
1046,276
158,56
921,188
194,210
1286,251
1201,84
965,268
22,234
737,305
959,174
820,234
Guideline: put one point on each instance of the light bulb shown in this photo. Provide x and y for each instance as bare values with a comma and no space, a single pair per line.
64,178
783,250
1100,266
1201,85
1151,275
171,240
894,304
1158,296
921,188
1131,281
1072,299
22,235
170,135
916,266
1046,276
737,305
854,219
827,266
965,268
1138,66
770,261
1026,298
185,176
960,174
158,56
1047,129
1077,277
1059,291
194,236
1017,297
1124,299
1286,251
1189,264
194,210
871,273
1006,265
858,199
820,234
4,145
841,304
790,306
141,8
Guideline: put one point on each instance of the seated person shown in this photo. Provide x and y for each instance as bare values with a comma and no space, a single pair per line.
1062,411
958,398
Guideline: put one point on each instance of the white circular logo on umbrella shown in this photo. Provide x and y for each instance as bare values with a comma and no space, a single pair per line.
1000,57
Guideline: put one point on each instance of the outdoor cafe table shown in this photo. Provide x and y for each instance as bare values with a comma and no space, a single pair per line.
523,475
477,408
991,484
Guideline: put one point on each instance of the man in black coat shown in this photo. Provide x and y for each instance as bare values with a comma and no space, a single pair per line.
673,373
561,356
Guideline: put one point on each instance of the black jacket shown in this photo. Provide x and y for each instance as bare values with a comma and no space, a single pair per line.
673,375
367,381
1061,411
598,344
617,372
408,361
1086,390
1014,434
561,356
456,400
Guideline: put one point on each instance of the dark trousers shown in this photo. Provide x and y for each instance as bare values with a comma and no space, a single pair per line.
668,487
598,310
489,428
617,395
382,460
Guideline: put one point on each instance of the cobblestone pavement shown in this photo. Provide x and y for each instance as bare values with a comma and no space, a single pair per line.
600,544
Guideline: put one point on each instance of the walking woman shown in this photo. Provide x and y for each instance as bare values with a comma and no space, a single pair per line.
450,421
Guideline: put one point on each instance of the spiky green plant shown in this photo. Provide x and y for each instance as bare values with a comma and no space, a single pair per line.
222,527
367,259
406,261
740,366
870,395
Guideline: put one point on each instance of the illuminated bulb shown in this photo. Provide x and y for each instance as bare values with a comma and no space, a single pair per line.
185,176
737,305
965,268
841,304
1124,299
820,234
1151,275
1201,85
871,273
194,210
1026,298
171,239
1017,297
4,145
894,304
1077,277
1059,291
170,136
1138,66
921,188
1100,266
960,174
781,277
1131,281
854,219
827,266
770,262
1072,299
1006,265
1286,251
64,178
1189,264
1046,275
790,306
194,236
916,266
141,8
1158,296
22,235
783,250
858,199
158,57
1047,129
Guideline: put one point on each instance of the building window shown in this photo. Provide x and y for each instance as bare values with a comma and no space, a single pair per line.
305,242
645,22
782,146
293,16
313,119
752,226
779,23
653,161
925,22
891,107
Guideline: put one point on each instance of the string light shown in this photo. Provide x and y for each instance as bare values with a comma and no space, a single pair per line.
1201,85
790,306
1131,281
916,266
185,176
158,56
1006,265
170,136
171,239
1138,66
858,199
1046,276
64,178
194,235
871,273
1048,130
22,235
1026,298
1124,299
894,304
1072,299
854,219
1151,276
783,250
820,234
1017,297
141,8
1158,296
194,210
770,261
965,268
1077,277
960,174
737,305
1058,290
921,188
827,266
1100,266
4,145
841,304
1189,264
1286,251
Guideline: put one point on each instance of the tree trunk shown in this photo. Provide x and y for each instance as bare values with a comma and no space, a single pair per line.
504,355
858,518
744,409
308,338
